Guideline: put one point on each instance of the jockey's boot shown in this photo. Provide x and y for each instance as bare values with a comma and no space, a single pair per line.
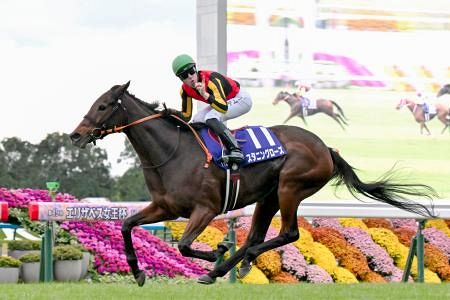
235,154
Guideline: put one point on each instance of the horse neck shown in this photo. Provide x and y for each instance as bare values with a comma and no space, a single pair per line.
411,105
152,138
291,100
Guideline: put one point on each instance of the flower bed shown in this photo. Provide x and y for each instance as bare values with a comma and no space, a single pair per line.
329,250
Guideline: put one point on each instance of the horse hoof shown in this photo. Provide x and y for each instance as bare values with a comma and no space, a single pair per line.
244,270
206,279
140,278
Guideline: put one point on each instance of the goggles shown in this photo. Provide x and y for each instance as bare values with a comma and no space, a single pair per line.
185,74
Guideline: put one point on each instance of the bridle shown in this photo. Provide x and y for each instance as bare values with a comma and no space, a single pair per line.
100,133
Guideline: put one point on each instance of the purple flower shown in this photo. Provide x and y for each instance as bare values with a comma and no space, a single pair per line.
439,239
315,274
327,222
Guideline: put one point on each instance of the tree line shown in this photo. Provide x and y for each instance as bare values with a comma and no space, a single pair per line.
80,172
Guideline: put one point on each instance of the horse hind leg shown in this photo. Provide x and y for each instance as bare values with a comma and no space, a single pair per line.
150,214
344,121
333,116
289,200
262,216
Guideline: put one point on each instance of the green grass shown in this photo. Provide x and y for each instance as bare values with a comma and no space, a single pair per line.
379,136
168,290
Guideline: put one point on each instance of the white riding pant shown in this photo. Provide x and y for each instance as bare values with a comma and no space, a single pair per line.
237,106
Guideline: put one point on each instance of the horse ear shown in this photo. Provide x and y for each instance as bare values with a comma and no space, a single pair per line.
121,89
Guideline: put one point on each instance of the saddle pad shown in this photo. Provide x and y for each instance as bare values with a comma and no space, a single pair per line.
258,144
432,109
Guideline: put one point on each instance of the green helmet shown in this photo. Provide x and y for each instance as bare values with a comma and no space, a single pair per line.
182,63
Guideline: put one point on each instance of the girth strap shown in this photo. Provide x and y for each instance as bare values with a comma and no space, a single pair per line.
232,190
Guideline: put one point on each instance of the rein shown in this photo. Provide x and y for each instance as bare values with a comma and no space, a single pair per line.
118,129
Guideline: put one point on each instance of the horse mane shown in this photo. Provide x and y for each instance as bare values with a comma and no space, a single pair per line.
152,106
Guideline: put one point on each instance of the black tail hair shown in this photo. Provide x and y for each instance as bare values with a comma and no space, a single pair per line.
383,190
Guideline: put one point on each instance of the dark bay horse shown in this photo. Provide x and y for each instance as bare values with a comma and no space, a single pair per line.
442,113
323,106
182,185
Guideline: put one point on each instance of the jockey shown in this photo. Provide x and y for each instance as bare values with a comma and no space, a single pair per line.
425,100
224,95
303,88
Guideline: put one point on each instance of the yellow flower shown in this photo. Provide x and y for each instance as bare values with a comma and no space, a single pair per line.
256,276
276,223
438,224
352,222
342,275
269,263
176,228
211,236
389,241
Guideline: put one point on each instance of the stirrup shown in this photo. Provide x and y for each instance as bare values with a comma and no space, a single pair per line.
235,157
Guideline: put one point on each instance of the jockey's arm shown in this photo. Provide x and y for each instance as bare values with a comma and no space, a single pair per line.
186,106
216,99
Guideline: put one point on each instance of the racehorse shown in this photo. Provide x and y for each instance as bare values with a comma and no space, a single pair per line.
442,113
444,90
323,106
183,185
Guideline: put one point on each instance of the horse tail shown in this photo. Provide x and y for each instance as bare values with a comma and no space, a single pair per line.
383,190
339,109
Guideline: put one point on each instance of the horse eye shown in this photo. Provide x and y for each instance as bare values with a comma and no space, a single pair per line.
102,107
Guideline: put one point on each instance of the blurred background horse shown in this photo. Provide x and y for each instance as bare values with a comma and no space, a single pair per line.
442,112
322,106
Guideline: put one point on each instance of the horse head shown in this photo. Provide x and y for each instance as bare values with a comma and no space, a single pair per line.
280,97
402,103
106,112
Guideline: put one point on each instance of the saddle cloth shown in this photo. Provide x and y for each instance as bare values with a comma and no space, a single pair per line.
432,109
312,103
258,144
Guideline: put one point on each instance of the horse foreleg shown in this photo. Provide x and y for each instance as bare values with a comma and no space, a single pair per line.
303,119
291,115
261,219
150,214
424,126
199,219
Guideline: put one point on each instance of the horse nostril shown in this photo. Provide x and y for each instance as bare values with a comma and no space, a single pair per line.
75,137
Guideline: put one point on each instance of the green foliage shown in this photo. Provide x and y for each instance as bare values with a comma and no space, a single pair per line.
79,247
24,245
9,262
67,252
81,172
21,215
131,186
30,258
